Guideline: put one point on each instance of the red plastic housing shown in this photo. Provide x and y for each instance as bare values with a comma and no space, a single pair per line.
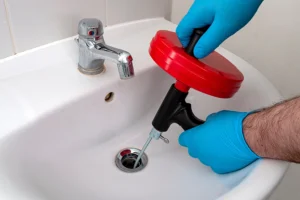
213,75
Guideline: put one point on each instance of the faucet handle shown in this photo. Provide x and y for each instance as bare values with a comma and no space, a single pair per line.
90,28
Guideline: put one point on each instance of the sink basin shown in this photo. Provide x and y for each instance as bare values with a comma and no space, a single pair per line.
61,132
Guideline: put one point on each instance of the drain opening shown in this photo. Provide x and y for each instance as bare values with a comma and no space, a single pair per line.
128,161
126,158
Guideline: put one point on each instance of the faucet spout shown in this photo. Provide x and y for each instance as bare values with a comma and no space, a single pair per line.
122,58
93,51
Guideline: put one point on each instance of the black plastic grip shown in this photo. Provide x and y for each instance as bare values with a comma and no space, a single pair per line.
174,109
197,34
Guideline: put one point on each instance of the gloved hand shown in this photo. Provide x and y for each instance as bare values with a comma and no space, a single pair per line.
226,17
219,142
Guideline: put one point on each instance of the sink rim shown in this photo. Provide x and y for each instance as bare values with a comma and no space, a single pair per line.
267,181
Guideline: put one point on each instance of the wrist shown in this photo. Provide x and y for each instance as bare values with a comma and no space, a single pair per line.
252,134
256,134
243,147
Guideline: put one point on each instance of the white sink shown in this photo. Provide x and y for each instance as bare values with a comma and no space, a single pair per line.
59,137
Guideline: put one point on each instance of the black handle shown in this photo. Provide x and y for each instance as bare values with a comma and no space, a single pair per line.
174,109
197,34
186,118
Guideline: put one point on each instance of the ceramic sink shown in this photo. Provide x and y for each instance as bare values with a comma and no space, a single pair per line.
60,132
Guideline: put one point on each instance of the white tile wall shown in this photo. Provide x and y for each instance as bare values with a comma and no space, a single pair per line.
119,11
37,22
5,39
179,9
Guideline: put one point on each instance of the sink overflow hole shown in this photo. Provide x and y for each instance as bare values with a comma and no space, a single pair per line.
109,97
126,158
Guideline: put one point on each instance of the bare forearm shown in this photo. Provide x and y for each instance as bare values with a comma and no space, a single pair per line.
275,132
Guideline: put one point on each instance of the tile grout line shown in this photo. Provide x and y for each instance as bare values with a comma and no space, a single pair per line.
170,10
105,12
10,27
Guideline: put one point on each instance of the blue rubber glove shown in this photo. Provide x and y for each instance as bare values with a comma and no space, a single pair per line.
219,142
226,17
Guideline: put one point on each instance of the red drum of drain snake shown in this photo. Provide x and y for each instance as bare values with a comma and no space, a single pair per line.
213,75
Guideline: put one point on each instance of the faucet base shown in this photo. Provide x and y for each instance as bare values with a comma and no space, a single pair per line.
93,71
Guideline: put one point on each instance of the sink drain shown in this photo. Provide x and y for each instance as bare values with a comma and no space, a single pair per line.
126,158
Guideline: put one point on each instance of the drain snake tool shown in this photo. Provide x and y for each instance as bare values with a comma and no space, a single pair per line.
213,75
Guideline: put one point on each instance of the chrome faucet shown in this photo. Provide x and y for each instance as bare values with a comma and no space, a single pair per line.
93,51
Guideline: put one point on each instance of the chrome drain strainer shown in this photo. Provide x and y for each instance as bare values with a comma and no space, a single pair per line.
126,158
